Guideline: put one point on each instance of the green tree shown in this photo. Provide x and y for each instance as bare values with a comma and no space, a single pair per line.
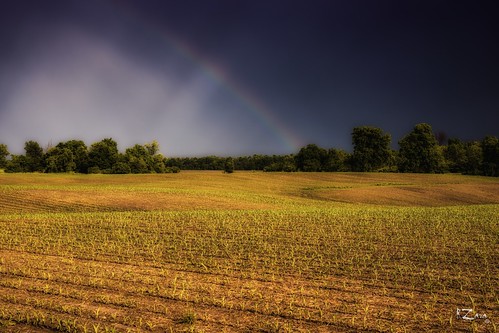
288,163
419,151
229,165
474,158
103,155
80,154
261,161
152,148
17,163
34,156
284,163
337,160
145,158
371,149
121,167
4,152
490,150
455,155
138,157
158,163
59,160
311,158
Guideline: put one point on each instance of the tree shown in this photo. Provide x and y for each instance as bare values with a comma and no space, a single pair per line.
419,151
145,159
159,163
337,160
261,161
121,168
80,154
59,160
311,158
474,158
17,163
229,165
152,148
455,155
371,149
490,149
103,155
4,152
441,137
288,163
137,158
464,157
34,156
284,163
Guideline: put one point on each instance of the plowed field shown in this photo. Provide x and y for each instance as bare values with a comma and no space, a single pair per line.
248,252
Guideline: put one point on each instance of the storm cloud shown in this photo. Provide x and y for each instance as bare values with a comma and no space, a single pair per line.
73,84
235,78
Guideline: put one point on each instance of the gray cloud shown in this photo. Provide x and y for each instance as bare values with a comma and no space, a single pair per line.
137,71
79,86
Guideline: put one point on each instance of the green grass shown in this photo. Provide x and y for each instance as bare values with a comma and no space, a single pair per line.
247,252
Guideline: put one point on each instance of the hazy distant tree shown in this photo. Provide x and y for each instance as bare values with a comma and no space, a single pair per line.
17,163
205,163
261,161
34,156
210,163
80,154
137,158
103,155
174,162
490,150
394,158
4,152
158,163
152,148
455,155
59,160
474,158
51,161
464,157
337,160
67,160
284,163
244,163
288,163
145,158
371,148
173,169
311,158
93,170
121,167
419,151
229,165
443,166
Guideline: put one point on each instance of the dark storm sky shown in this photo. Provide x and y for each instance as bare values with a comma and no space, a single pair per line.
236,77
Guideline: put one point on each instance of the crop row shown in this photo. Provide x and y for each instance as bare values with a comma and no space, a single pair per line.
298,269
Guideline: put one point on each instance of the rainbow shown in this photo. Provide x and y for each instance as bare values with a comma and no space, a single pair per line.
215,72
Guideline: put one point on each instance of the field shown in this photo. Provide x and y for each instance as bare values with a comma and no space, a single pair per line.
248,252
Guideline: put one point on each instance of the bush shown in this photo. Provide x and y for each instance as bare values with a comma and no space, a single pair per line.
94,170
121,168
172,169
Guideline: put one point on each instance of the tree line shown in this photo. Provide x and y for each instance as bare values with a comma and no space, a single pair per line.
75,156
419,151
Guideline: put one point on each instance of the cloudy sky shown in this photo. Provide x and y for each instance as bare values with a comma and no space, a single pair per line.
240,77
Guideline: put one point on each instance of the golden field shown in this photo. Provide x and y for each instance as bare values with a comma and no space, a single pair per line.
248,252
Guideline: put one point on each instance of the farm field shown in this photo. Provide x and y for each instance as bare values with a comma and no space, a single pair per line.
248,252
